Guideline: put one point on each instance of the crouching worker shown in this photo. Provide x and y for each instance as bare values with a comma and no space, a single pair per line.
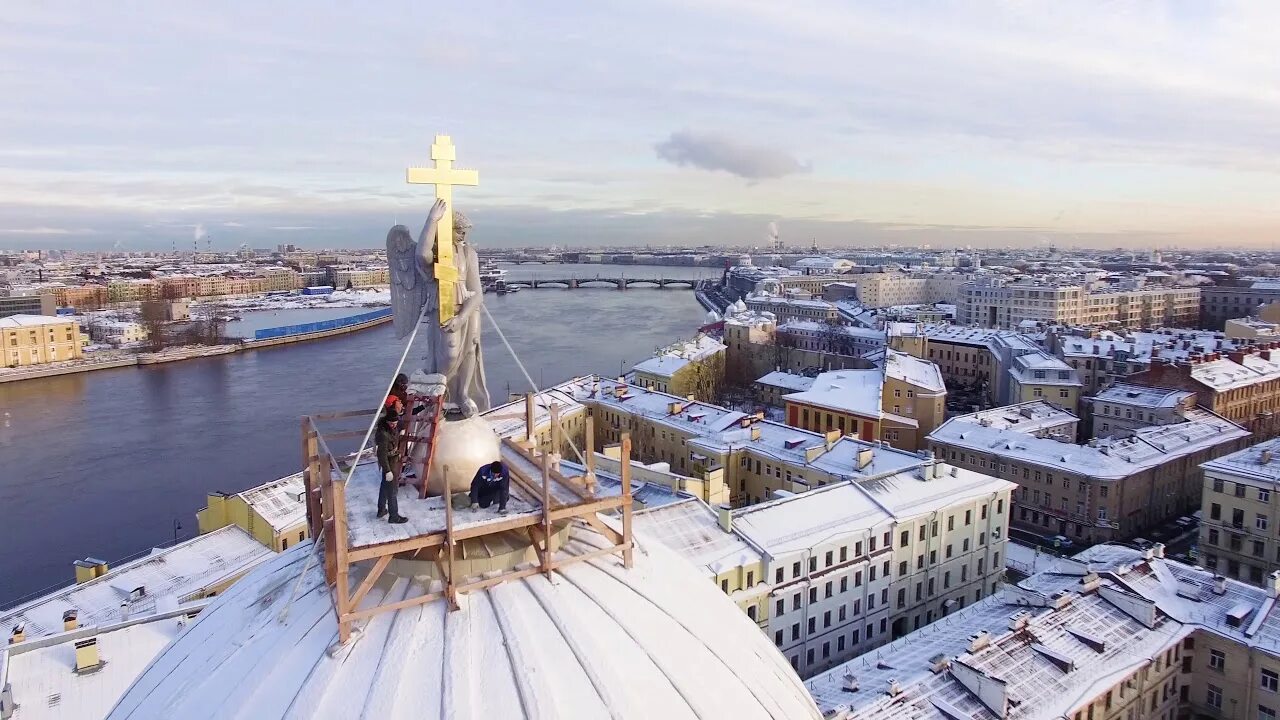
387,441
491,483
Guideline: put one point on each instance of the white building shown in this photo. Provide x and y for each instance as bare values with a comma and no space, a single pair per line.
1123,408
854,564
1113,633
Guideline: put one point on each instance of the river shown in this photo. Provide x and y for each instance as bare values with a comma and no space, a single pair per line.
102,463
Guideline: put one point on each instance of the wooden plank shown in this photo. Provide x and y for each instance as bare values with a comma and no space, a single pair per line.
528,417
557,444
585,508
449,540
599,526
419,542
573,484
367,584
342,581
346,414
498,580
627,554
330,522
590,443
598,552
546,513
392,607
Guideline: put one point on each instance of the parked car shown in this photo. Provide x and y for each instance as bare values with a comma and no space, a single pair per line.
1142,543
1061,541
1185,522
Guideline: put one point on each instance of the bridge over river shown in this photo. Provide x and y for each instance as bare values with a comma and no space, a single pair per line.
621,283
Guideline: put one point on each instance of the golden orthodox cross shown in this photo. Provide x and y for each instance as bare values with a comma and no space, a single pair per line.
444,176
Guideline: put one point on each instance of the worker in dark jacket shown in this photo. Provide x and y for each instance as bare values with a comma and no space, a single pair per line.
387,442
491,483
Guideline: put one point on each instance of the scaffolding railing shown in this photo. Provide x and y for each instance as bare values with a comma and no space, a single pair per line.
556,499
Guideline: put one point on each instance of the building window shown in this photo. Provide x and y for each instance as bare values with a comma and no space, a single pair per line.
1264,495
1266,713
1213,696
1218,660
1270,680
1260,522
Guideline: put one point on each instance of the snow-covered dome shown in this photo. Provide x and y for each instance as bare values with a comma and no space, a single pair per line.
594,640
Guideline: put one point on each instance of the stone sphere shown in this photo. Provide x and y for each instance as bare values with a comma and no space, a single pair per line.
464,445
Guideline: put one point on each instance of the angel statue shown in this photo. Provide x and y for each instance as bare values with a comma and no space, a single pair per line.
416,282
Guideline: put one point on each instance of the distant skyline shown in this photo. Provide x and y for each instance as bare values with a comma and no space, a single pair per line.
698,122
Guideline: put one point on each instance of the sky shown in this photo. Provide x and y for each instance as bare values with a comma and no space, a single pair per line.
1114,124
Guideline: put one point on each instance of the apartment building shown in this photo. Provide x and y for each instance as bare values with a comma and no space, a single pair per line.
1102,357
899,402
1240,385
963,354
996,303
879,290
1114,633
35,304
274,513
1221,303
754,346
38,339
786,308
753,457
1123,408
360,277
1104,490
848,567
1241,513
826,338
688,369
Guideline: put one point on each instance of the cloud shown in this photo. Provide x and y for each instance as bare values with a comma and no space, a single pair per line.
41,230
713,152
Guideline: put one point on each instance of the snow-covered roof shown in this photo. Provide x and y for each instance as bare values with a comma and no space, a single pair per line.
1030,418
716,429
41,674
851,391
1258,465
595,640
913,370
280,502
1223,374
798,522
1107,458
1143,396
663,366
960,334
167,577
691,528
783,379
1076,643
24,321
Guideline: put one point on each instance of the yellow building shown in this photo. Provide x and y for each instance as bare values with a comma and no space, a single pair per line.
274,514
38,339
900,402
689,369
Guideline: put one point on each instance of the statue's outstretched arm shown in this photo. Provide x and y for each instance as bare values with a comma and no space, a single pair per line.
427,240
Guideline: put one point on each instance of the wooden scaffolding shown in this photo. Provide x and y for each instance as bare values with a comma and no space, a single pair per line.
555,498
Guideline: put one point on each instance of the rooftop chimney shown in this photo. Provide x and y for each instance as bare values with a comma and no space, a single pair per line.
1265,457
865,456
1219,585
70,620
18,634
725,517
895,689
850,682
1273,584
87,657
